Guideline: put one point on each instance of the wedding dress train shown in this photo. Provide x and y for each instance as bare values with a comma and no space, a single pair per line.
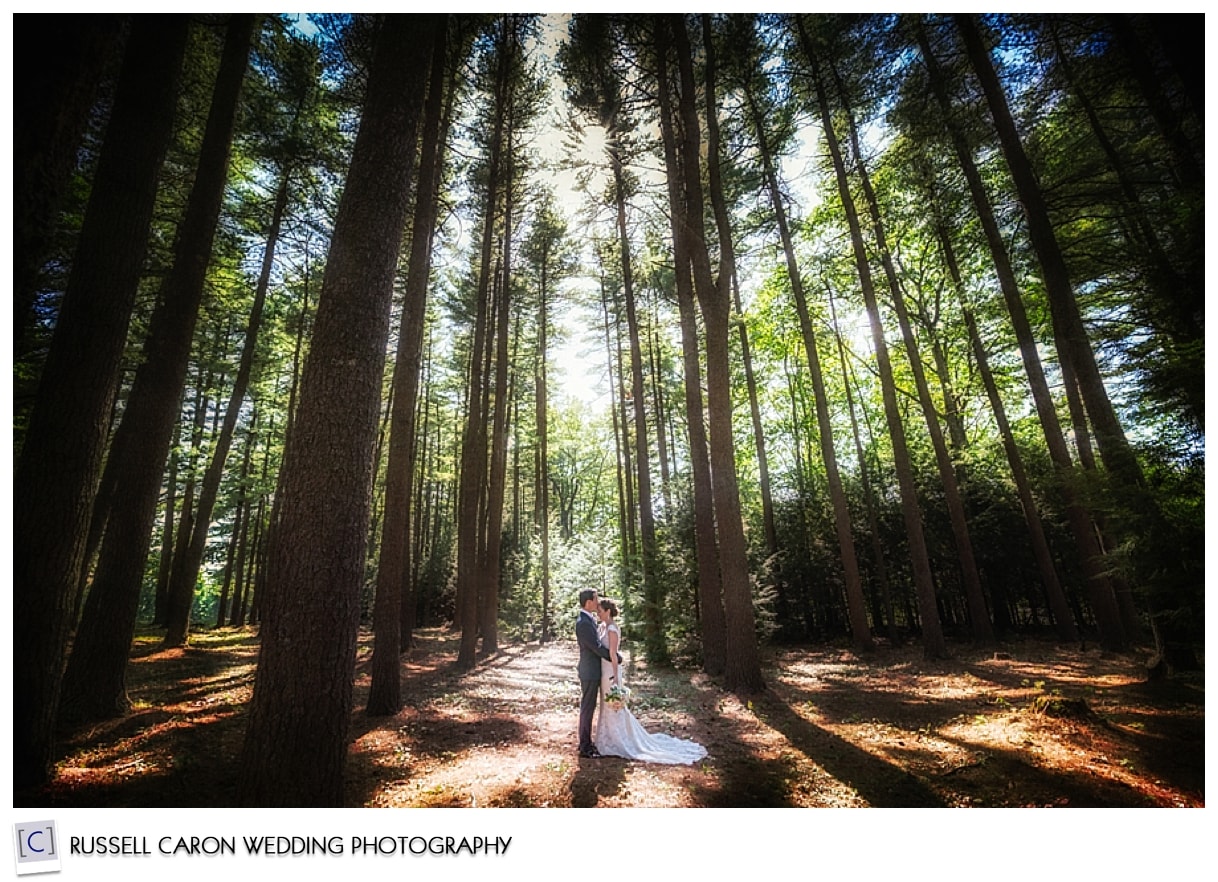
618,733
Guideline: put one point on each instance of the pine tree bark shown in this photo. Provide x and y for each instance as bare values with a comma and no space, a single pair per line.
659,404
298,349
979,616
933,643
472,481
654,643
181,539
261,524
706,545
393,567
237,542
1074,347
242,587
1054,593
165,565
52,99
56,477
856,602
438,118
94,681
763,462
296,741
186,569
742,669
542,426
873,524
227,583
488,600
621,448
1099,589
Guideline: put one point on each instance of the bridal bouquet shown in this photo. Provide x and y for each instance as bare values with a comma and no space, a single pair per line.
616,695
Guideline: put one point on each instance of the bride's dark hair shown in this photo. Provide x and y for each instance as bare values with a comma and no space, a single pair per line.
609,605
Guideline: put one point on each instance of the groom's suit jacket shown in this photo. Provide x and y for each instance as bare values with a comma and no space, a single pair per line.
590,649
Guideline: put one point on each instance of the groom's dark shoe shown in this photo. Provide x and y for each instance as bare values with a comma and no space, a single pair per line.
590,753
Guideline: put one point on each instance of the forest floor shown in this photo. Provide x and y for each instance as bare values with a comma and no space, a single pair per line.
1031,724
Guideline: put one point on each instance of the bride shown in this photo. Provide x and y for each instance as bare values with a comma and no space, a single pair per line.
618,733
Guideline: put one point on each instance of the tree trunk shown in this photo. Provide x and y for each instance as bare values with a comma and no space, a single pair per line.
56,476
94,680
473,446
165,565
426,450
873,524
262,522
653,597
659,404
933,643
186,571
493,558
1090,553
856,602
629,475
1074,347
542,492
51,106
742,669
296,741
932,327
621,448
230,557
1056,596
242,588
982,629
203,382
706,545
257,559
238,541
392,615
438,121
763,464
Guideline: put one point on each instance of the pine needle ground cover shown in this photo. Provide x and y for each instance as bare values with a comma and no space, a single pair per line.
1033,724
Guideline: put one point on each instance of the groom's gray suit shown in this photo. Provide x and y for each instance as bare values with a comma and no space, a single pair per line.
590,654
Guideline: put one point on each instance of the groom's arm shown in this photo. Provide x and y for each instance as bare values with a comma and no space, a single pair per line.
585,633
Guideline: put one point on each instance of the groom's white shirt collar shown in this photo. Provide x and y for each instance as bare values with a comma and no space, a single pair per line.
586,613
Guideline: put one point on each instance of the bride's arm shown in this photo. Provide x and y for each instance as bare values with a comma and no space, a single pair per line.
613,638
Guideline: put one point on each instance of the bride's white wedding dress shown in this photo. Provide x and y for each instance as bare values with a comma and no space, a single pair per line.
618,733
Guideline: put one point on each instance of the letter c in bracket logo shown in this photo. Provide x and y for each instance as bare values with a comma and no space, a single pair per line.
36,847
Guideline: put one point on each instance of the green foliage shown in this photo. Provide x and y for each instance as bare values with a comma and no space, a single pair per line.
1071,86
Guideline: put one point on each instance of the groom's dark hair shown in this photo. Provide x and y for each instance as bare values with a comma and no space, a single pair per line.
586,595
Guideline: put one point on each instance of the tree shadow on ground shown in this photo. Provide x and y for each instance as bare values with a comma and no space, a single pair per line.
149,759
1170,749
1031,786
1162,723
878,782
399,742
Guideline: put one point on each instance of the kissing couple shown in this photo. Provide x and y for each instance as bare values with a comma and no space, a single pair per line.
618,733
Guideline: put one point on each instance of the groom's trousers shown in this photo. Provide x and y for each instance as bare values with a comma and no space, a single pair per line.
589,691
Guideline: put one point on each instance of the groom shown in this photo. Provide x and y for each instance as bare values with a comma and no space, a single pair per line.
590,654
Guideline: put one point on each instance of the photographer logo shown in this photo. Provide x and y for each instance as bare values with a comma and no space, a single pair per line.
36,847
